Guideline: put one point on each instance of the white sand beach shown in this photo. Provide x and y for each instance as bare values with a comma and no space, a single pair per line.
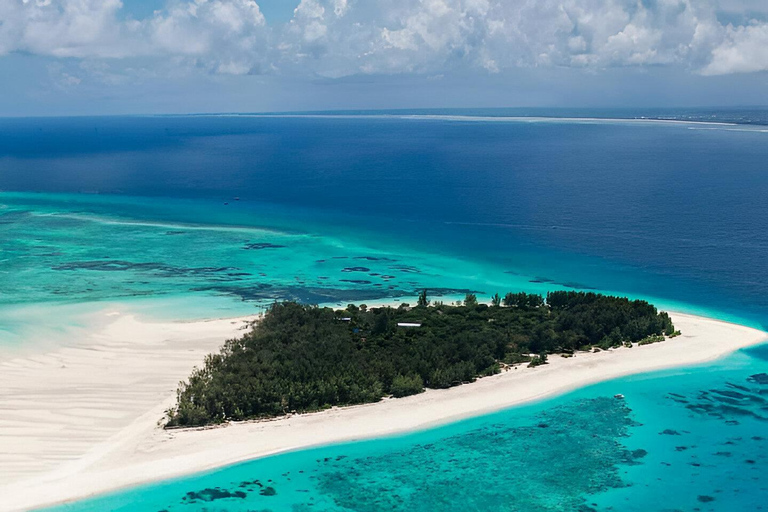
83,420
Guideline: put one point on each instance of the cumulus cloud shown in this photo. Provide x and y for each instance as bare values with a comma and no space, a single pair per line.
66,28
334,38
744,50
227,36
337,38
383,36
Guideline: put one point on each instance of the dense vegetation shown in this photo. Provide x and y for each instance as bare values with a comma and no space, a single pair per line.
304,358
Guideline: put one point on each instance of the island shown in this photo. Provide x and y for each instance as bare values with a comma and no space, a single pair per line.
96,438
302,358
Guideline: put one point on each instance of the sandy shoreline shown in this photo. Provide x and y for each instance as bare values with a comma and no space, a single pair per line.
82,420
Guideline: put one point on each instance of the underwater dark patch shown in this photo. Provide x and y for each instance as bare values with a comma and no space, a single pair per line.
477,470
577,286
212,494
261,292
262,245
728,403
157,269
408,269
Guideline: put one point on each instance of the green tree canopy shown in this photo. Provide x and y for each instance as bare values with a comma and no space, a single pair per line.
305,358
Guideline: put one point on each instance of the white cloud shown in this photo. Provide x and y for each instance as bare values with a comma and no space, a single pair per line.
64,28
386,36
744,50
335,38
226,36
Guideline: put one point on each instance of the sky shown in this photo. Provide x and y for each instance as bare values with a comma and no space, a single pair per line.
86,57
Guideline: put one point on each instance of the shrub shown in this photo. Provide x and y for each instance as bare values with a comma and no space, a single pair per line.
651,339
403,385
538,360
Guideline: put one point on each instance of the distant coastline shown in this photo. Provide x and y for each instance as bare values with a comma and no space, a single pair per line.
746,116
468,118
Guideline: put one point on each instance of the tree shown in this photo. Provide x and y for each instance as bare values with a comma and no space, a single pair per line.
470,300
535,301
423,300
380,323
523,300
496,300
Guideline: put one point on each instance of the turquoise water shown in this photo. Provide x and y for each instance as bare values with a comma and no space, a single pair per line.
78,255
683,440
78,249
66,257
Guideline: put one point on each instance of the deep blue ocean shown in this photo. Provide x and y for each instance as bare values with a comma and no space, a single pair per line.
209,216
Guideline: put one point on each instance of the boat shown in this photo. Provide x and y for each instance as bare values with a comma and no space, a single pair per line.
618,396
